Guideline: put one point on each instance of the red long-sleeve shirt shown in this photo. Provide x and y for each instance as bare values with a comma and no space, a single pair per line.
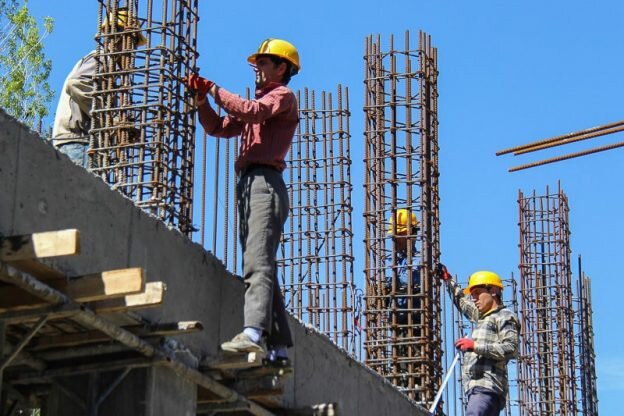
266,124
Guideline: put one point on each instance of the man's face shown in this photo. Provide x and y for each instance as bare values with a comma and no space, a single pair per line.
483,299
267,71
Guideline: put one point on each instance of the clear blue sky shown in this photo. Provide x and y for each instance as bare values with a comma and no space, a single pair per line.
510,72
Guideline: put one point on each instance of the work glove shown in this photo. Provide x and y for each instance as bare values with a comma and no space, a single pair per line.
464,344
442,272
199,85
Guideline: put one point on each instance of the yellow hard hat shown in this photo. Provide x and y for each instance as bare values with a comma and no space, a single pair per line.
482,278
122,22
402,225
281,48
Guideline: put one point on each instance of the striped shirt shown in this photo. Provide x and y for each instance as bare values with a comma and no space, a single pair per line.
266,124
495,336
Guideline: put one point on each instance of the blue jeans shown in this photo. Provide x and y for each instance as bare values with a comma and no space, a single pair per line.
263,209
77,152
483,402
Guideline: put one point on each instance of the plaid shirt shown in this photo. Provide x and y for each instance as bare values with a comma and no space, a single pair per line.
495,335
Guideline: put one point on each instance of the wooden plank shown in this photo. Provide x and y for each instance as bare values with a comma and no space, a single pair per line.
92,337
40,245
235,361
105,285
153,296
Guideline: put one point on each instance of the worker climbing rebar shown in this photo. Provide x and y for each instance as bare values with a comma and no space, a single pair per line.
72,121
493,343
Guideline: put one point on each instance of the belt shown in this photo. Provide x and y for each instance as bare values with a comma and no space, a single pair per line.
258,166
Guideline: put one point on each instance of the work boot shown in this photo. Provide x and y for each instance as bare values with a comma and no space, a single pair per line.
242,343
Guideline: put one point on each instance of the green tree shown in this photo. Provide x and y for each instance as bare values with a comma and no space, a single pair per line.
24,69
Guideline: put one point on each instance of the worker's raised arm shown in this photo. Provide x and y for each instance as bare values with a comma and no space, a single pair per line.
466,306
276,101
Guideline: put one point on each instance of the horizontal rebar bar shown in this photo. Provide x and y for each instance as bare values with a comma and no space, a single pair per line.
560,138
568,156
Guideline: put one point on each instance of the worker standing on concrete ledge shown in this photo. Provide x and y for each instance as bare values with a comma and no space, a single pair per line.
267,125
72,121
493,343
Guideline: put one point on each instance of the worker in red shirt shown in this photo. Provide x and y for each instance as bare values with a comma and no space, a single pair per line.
266,125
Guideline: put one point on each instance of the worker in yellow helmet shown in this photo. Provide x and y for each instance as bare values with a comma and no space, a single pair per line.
403,229
266,125
493,343
72,121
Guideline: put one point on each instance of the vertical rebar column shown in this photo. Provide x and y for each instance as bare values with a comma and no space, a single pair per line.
143,121
546,370
586,371
316,255
402,301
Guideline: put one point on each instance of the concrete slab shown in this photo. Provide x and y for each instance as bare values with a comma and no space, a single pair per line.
44,191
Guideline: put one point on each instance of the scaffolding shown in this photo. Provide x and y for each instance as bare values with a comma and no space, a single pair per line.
402,300
547,365
142,137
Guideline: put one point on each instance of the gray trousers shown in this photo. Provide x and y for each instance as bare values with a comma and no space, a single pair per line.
263,209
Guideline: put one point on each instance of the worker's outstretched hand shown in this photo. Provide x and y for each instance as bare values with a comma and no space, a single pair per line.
442,272
199,85
464,344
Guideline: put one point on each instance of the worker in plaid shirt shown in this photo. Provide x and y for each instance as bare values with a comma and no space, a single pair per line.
493,343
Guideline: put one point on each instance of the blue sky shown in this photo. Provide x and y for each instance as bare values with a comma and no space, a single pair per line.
510,72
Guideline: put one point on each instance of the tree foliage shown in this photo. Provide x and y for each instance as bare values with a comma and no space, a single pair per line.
24,69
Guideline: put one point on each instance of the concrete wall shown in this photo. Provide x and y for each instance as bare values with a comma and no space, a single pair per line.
42,190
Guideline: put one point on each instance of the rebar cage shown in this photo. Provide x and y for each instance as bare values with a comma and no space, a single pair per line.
546,365
316,256
142,137
402,300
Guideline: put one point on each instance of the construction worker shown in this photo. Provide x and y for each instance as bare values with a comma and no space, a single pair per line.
267,125
72,122
493,343
403,227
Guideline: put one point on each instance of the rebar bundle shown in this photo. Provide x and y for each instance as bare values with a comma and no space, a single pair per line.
587,357
142,137
403,318
316,255
546,365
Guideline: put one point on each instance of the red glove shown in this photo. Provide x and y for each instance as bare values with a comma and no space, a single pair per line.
465,344
199,85
442,272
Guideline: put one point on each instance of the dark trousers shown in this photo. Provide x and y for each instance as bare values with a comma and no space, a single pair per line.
483,402
263,209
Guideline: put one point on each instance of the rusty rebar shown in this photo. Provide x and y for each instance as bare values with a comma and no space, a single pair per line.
568,156
402,302
547,362
563,139
142,138
587,355
316,255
